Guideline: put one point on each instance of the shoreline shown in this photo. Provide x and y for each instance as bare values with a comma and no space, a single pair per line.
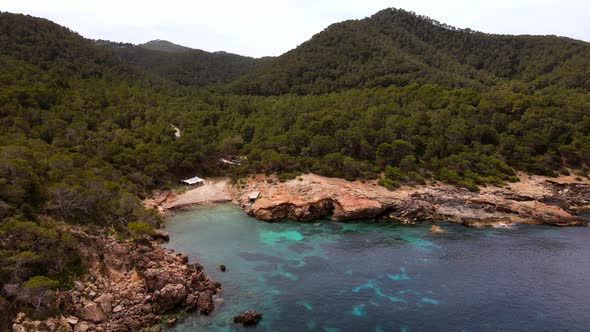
532,200
130,285
127,289
214,190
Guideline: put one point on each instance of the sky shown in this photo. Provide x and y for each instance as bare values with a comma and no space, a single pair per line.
271,27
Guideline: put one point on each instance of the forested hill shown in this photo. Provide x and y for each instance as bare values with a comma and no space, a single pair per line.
185,66
82,136
53,48
165,46
396,47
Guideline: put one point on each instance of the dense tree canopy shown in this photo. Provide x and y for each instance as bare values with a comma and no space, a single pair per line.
185,66
396,47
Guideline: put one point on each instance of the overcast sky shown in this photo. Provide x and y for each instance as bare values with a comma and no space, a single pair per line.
272,27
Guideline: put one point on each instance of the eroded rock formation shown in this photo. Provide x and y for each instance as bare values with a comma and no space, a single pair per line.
128,287
534,200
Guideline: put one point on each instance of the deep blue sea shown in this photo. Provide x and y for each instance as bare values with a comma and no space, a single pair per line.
379,276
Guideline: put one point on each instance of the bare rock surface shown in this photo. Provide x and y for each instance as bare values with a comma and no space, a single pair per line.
128,287
532,200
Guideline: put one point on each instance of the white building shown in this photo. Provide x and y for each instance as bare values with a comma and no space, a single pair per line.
196,181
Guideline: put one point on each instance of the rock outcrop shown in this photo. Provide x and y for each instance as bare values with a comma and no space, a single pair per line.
534,200
128,287
248,318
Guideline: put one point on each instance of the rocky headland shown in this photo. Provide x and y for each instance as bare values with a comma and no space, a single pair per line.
130,285
532,200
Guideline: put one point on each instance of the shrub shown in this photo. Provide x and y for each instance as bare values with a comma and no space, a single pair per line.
140,228
389,183
286,176
37,291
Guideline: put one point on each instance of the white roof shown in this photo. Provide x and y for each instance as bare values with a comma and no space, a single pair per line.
254,195
194,180
225,161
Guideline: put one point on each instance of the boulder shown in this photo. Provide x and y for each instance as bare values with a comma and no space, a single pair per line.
161,235
191,301
72,320
155,279
170,296
83,326
78,286
105,302
250,317
92,312
63,324
205,302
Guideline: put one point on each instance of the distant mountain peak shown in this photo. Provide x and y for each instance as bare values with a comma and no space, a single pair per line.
164,46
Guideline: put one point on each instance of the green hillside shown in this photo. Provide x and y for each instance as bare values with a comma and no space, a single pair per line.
164,46
184,66
82,137
396,47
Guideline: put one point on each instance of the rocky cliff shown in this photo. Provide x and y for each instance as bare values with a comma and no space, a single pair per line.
129,286
533,200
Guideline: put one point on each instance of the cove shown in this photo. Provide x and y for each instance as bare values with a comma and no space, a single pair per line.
377,276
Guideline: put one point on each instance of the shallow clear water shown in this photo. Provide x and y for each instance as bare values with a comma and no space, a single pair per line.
372,276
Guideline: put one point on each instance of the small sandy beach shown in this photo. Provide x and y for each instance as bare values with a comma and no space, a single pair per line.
215,190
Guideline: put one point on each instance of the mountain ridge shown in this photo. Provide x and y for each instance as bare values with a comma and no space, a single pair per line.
164,45
185,66
396,47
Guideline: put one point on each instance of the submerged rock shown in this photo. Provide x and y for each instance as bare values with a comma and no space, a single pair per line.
250,317
205,302
437,229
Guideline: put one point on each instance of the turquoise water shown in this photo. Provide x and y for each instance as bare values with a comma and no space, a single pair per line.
373,276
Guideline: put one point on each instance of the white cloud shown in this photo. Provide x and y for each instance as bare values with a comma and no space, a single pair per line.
267,27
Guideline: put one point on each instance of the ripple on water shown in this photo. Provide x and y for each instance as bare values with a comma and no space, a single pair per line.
305,304
418,242
270,237
359,310
402,275
429,300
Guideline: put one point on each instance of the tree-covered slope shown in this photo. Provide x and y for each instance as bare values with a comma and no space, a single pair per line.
396,47
164,46
82,137
186,67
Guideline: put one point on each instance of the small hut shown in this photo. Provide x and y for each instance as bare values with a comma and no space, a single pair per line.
253,195
194,182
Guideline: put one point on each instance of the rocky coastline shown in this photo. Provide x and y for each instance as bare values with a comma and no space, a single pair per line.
533,200
130,285
136,284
